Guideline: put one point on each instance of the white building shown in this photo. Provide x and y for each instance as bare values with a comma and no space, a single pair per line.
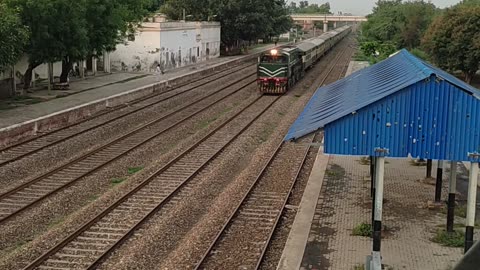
170,44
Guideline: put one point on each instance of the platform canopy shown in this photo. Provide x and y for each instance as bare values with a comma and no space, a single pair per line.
399,107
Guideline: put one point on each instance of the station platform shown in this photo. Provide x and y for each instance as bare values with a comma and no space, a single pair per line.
91,95
337,199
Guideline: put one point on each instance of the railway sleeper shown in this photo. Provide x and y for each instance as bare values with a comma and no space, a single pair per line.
255,219
96,240
103,234
257,227
16,199
50,185
107,229
64,263
80,251
88,244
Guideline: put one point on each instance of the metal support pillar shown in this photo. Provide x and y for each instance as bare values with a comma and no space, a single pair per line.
94,65
82,69
438,185
471,204
325,26
377,225
429,168
452,190
372,176
106,62
372,185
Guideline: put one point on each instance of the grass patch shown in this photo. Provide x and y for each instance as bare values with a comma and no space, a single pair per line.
364,161
359,267
56,222
453,239
331,173
266,132
134,170
207,122
360,56
16,247
363,229
460,211
117,181
92,198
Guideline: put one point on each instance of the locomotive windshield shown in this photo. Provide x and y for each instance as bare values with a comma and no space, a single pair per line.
274,59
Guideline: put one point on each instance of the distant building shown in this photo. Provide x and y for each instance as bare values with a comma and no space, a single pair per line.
170,44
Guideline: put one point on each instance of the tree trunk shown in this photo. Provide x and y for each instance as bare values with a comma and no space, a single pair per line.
469,76
66,67
27,77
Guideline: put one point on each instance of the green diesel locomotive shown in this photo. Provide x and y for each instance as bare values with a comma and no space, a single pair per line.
280,68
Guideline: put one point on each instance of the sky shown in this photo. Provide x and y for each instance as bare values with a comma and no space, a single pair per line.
364,7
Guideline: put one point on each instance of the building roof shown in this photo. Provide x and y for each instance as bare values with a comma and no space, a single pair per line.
430,97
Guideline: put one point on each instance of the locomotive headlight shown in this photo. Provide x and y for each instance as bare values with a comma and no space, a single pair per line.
274,52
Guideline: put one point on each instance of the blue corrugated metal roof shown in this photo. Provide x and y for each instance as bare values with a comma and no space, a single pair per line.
401,104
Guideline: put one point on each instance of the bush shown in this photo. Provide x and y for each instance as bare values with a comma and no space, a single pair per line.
420,54
363,229
453,239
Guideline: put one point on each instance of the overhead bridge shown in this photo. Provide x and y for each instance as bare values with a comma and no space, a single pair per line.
309,20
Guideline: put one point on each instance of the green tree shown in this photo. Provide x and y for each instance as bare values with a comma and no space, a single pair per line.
305,7
13,36
58,30
395,24
252,19
108,22
453,40
71,30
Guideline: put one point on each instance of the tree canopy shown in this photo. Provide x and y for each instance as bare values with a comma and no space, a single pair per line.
453,39
449,38
14,36
66,30
241,19
400,23
305,7
395,24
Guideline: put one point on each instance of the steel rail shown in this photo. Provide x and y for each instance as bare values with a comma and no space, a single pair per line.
87,225
55,142
115,141
257,180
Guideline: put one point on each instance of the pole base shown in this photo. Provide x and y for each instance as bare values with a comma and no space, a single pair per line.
376,261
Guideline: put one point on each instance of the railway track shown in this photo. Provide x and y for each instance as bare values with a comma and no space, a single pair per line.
36,144
261,208
95,240
32,192
258,213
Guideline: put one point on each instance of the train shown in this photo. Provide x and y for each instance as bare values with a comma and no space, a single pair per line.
280,68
